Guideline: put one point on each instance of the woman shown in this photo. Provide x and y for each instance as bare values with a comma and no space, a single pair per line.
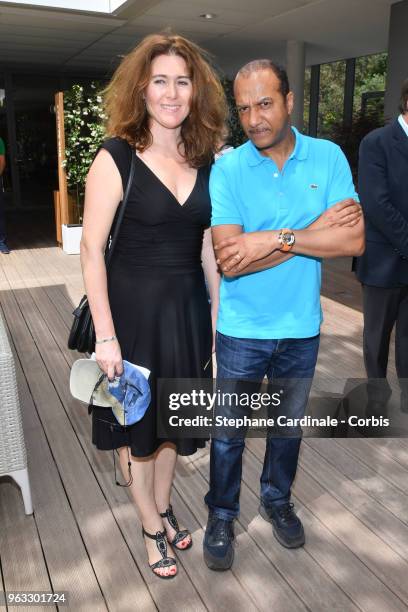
166,102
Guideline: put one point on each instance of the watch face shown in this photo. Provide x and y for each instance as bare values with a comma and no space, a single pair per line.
288,238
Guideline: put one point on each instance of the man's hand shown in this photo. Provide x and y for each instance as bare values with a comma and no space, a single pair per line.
237,252
346,213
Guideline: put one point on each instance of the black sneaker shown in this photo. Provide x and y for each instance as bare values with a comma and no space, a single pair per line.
217,546
287,527
4,248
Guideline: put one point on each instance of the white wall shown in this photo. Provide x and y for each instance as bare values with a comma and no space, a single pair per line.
102,6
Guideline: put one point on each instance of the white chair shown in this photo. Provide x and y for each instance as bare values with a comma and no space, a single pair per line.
13,456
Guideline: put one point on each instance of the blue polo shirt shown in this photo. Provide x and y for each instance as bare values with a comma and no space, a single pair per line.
247,189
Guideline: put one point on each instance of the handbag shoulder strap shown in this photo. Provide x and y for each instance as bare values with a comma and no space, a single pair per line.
114,234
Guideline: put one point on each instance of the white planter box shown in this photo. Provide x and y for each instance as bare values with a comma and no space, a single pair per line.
71,238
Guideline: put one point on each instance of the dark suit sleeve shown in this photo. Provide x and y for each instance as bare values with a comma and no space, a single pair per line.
374,196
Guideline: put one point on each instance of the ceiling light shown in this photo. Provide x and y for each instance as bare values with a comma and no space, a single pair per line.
208,16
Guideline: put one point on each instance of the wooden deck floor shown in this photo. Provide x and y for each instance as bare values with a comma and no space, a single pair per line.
84,536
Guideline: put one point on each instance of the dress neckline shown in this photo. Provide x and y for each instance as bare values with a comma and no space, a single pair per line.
181,205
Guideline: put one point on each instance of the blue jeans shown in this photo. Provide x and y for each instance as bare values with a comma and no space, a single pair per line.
2,215
241,359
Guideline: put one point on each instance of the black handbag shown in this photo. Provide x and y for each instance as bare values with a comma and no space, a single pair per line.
82,334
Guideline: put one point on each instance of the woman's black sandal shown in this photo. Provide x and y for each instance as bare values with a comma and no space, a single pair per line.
180,535
165,562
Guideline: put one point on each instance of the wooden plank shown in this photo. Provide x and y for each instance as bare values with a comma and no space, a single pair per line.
167,595
260,578
65,272
363,476
329,532
52,267
340,284
53,318
370,455
22,275
308,579
59,275
51,281
384,524
22,560
380,558
221,592
396,448
240,597
23,563
66,558
117,573
23,270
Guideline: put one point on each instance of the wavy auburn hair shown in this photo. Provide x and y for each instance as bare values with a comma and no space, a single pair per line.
127,116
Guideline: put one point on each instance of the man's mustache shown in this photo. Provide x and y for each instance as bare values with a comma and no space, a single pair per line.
258,130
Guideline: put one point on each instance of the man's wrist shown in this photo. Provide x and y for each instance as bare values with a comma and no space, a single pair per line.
273,241
286,240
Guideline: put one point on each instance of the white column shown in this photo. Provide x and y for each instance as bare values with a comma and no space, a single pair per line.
397,68
295,67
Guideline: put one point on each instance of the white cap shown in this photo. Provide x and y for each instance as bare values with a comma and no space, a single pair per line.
85,373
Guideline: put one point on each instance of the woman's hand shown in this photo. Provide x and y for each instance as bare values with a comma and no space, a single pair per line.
109,358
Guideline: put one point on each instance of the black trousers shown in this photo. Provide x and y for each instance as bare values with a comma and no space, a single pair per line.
384,308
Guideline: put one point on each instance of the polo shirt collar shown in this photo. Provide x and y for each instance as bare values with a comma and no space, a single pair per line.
300,151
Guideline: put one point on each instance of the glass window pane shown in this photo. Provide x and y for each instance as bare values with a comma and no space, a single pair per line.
306,104
33,98
331,102
6,178
369,88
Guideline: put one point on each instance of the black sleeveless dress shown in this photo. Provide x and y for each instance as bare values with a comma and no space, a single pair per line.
157,296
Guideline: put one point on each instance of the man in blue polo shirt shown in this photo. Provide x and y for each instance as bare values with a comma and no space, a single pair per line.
281,202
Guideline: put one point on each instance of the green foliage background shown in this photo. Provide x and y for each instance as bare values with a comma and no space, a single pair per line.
370,76
236,134
84,132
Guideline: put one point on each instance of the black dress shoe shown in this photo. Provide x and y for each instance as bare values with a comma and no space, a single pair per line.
287,527
217,546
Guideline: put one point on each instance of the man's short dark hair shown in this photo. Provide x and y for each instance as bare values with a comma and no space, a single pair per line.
403,107
267,64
